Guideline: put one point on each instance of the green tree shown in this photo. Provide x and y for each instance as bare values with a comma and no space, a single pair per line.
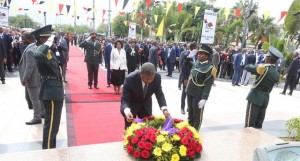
292,19
119,27
64,28
22,21
103,28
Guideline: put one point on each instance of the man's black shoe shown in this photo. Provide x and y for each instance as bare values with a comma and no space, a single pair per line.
182,111
282,93
168,75
42,116
34,121
238,85
96,86
3,82
290,93
90,87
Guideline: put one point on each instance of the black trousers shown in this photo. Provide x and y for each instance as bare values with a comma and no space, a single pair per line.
290,82
92,73
52,121
195,114
131,69
180,80
2,72
141,114
183,97
255,115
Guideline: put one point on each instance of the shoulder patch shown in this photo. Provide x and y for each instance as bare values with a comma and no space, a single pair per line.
214,72
260,69
49,56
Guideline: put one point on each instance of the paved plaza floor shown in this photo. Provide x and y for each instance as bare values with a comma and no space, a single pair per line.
225,109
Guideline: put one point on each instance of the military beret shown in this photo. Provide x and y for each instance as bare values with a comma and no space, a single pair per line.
273,52
44,31
206,49
93,35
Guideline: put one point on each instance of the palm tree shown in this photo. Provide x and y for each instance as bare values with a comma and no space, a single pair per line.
292,19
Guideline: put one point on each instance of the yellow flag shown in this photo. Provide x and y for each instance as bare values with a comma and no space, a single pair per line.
76,9
160,28
227,12
136,4
95,10
169,4
14,10
196,10
51,7
133,16
155,18
125,22
266,14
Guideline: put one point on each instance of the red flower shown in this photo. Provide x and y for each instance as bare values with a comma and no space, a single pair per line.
129,138
134,140
144,119
129,149
145,154
177,121
151,118
145,138
139,133
184,141
148,146
141,145
192,154
136,154
153,138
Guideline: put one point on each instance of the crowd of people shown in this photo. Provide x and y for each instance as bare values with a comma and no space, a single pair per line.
41,57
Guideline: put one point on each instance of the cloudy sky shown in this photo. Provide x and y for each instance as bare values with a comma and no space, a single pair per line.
274,7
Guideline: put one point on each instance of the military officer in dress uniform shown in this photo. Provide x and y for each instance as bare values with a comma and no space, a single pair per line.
52,91
258,97
199,85
92,59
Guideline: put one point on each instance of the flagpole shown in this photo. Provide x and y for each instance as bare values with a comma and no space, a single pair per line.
109,27
94,15
75,17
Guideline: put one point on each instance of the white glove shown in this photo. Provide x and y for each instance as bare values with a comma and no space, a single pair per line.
201,103
89,38
50,40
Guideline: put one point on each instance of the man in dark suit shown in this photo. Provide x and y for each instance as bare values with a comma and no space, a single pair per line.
238,66
146,48
292,73
171,59
31,78
3,58
52,89
8,46
132,57
107,53
92,59
138,88
153,56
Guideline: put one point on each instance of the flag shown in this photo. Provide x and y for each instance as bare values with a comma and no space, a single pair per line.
283,13
180,5
51,7
227,12
125,22
148,3
121,13
61,6
68,8
57,14
237,12
196,10
103,20
40,12
169,4
155,18
20,9
266,14
103,13
160,28
136,4
125,3
116,1
78,17
33,1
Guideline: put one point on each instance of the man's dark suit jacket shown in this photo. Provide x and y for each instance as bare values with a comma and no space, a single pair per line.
132,95
132,61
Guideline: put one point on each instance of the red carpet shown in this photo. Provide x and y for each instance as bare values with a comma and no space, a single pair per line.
93,115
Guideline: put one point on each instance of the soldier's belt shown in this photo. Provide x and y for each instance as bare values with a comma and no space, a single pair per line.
263,90
50,77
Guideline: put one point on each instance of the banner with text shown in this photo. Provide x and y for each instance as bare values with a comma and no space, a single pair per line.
4,16
208,27
132,30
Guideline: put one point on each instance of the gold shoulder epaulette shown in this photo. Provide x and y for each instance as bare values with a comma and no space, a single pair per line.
49,56
260,69
214,72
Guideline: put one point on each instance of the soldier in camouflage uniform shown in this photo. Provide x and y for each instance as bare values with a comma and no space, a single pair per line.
258,97
52,91
199,85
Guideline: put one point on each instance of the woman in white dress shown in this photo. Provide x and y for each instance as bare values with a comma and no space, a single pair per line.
118,66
